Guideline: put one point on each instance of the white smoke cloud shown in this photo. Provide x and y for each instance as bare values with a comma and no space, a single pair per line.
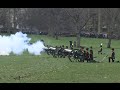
34,48
18,43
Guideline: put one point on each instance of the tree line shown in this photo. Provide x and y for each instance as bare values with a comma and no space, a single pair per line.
61,20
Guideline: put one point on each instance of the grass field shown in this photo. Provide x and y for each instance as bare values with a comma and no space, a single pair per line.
46,69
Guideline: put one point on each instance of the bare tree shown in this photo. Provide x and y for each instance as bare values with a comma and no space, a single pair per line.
79,17
54,19
5,19
112,14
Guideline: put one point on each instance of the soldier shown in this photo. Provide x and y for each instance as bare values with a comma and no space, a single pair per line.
66,47
43,42
84,53
91,53
87,55
60,51
112,55
75,54
100,51
56,52
47,50
81,53
53,51
70,44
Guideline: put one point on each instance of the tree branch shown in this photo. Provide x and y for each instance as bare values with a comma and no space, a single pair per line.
86,22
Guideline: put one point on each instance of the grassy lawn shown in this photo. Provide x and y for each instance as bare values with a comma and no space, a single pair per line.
46,69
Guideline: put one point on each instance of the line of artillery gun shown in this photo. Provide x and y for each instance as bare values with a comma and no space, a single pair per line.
79,55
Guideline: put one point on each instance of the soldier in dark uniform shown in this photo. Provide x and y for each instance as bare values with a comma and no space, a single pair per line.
47,50
75,54
112,55
87,55
66,47
60,52
100,51
70,44
43,42
56,52
84,53
80,54
91,54
53,52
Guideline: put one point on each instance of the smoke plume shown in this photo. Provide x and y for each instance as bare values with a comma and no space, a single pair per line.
18,43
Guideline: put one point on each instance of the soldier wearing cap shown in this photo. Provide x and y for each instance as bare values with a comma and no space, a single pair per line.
100,51
82,54
91,53
112,55
87,55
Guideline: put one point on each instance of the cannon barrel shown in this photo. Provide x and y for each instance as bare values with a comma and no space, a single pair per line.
46,48
67,50
52,48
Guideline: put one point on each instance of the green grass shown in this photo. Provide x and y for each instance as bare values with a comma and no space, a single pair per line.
46,69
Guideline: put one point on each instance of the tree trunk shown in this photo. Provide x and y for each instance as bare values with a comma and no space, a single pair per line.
99,21
8,23
56,36
109,43
109,39
14,20
111,28
49,32
78,40
78,37
53,33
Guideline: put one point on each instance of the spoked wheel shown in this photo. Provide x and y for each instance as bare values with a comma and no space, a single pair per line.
73,58
70,57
